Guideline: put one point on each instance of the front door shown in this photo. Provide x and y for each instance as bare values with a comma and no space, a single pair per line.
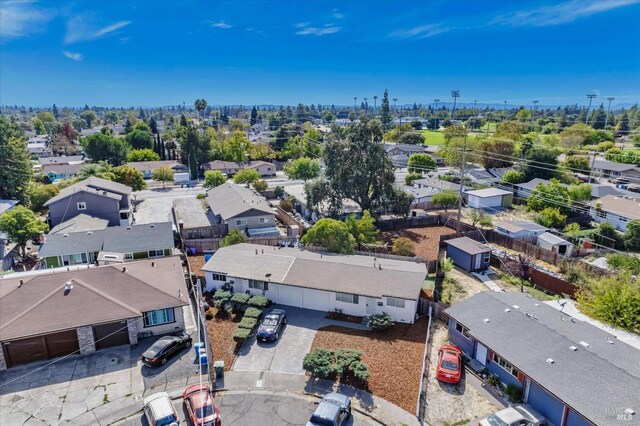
481,354
372,302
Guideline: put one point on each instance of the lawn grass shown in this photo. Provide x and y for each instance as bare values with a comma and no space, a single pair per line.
433,137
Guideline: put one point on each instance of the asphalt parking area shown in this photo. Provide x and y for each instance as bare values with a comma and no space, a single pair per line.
286,354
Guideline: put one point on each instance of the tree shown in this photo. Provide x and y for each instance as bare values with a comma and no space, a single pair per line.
403,246
454,131
554,194
15,162
129,176
234,236
605,146
260,185
111,117
303,168
540,163
421,163
577,164
513,176
39,194
622,126
55,112
523,115
606,235
510,130
446,199
262,151
101,169
551,217
254,116
213,178
153,126
246,176
478,216
411,138
90,117
163,174
632,236
136,155
200,105
21,225
139,139
496,153
38,126
411,177
364,229
332,234
385,112
580,193
101,147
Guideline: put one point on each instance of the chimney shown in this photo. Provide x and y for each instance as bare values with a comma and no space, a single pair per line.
124,269
21,282
153,264
68,286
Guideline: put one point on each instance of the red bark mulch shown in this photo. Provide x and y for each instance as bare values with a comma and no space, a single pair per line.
220,331
426,240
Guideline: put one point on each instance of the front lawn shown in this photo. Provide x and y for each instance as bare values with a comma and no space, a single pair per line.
394,357
433,137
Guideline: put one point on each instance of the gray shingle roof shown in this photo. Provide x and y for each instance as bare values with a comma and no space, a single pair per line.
7,205
137,238
533,183
93,184
61,160
520,225
488,192
153,165
326,271
73,243
599,381
81,223
190,213
230,200
613,166
468,245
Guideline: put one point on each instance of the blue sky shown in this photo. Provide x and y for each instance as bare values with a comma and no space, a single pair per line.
164,52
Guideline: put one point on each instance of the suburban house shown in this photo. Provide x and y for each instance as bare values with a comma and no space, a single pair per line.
438,184
148,167
399,153
481,176
239,207
489,198
551,242
354,285
524,189
615,210
95,197
195,221
5,205
468,254
38,146
520,229
610,169
422,197
63,159
70,246
80,223
570,371
230,168
55,171
498,172
299,196
48,315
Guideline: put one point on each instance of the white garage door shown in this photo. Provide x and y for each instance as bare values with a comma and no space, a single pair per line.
316,300
288,295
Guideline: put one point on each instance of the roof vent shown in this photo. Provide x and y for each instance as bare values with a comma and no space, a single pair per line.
573,348
516,307
629,411
21,282
65,235
68,285
124,269
128,227
486,320
152,225
550,360
536,304
507,310
153,264
89,233
585,344
610,341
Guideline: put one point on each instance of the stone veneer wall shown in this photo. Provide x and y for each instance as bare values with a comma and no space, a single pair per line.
133,331
3,362
86,340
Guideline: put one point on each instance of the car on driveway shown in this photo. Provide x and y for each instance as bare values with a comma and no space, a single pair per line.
333,410
159,410
271,326
165,348
449,367
200,406
518,415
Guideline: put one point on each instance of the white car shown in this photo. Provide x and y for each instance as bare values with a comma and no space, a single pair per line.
518,415
159,410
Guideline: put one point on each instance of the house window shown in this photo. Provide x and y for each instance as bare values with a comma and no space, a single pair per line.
622,219
218,277
128,256
601,214
347,298
156,253
462,330
264,220
505,365
398,303
259,285
241,222
82,205
486,258
159,317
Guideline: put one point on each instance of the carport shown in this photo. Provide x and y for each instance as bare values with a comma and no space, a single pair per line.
40,348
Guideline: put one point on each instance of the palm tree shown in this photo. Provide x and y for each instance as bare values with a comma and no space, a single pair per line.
201,105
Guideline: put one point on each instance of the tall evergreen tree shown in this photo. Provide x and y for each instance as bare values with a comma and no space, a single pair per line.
141,114
153,125
15,161
55,111
254,116
128,127
385,112
622,127
163,153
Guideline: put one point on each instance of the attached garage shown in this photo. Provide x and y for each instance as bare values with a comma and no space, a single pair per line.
289,295
316,299
111,334
40,348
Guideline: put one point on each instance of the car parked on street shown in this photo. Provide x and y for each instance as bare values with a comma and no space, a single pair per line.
200,406
518,415
449,368
159,410
165,348
333,410
271,326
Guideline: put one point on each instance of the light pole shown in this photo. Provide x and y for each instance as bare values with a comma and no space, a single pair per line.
590,97
355,100
366,105
606,120
394,103
436,113
535,103
375,103
455,94
475,104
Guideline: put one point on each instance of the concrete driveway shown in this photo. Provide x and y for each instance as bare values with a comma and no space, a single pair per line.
286,354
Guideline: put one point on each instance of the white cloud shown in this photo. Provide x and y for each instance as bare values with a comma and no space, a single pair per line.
301,25
21,18
220,24
331,29
79,29
422,31
337,15
73,55
562,13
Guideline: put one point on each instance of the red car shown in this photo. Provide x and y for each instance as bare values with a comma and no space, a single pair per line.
200,406
449,368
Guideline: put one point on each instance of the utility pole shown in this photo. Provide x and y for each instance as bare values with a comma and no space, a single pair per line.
606,120
375,103
366,105
535,103
462,168
436,113
590,97
455,94
355,100
475,104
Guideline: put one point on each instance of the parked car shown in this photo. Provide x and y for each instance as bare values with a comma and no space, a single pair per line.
272,325
159,410
518,415
200,406
165,348
449,368
333,410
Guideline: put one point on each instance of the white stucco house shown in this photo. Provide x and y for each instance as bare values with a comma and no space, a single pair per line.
617,211
355,285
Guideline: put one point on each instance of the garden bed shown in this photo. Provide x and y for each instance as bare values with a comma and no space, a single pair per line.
220,331
426,240
394,358
339,316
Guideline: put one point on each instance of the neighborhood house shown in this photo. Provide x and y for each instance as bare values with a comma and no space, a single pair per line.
615,210
520,229
489,198
230,168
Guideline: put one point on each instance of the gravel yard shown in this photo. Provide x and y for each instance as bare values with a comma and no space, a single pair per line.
467,285
394,358
426,239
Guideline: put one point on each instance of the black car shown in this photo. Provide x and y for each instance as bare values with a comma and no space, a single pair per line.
165,348
271,325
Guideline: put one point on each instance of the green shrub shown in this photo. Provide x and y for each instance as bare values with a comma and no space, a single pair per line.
514,392
221,294
360,370
259,302
208,314
318,363
240,298
249,323
323,363
253,313
380,322
344,358
241,334
201,196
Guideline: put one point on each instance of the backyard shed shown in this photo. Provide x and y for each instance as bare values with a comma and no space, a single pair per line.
468,254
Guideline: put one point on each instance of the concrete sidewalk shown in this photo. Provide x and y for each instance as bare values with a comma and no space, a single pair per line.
487,281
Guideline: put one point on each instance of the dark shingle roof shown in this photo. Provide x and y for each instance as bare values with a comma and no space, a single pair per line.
468,245
131,239
72,243
81,223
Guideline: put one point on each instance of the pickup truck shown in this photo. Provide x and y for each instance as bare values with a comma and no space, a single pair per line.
518,415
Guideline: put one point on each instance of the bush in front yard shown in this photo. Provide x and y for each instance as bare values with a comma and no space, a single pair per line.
344,358
221,294
259,302
241,334
319,363
240,298
514,392
345,363
249,323
360,370
253,313
208,314
380,322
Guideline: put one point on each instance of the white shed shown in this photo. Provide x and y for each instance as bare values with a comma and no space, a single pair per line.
489,198
555,244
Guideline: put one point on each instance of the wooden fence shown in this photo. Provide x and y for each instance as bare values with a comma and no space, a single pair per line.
199,246
288,219
410,222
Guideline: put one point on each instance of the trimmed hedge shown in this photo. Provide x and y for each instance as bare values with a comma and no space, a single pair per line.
253,313
240,298
241,334
380,322
259,302
249,323
221,294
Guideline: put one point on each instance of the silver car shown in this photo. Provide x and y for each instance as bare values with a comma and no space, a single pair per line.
159,410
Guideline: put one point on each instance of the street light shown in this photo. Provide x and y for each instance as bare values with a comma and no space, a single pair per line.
606,120
375,102
590,97
455,94
436,113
